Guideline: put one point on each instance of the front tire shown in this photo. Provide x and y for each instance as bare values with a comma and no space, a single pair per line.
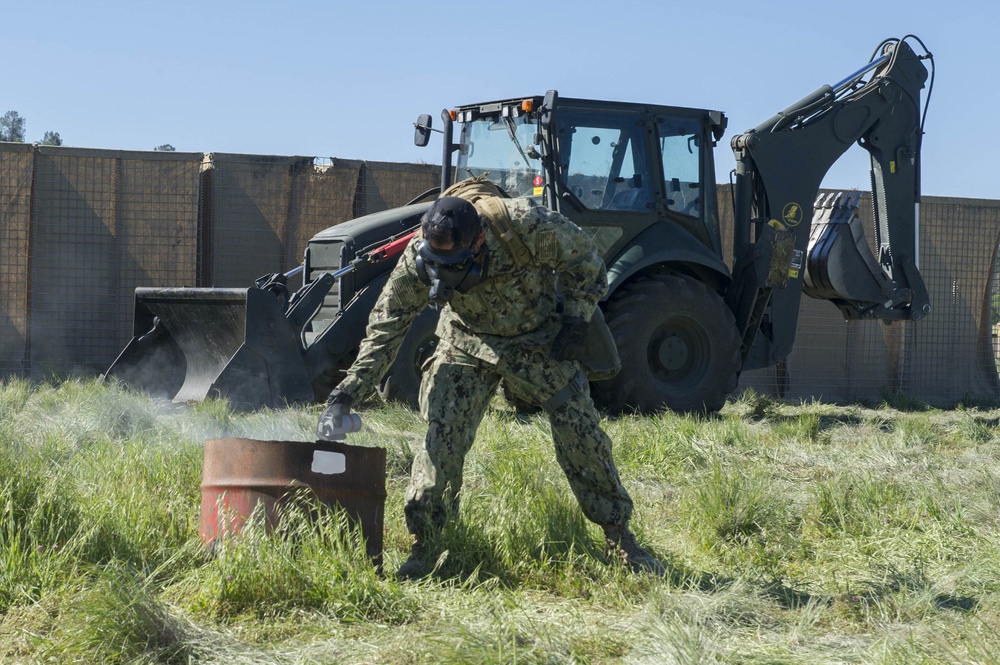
678,345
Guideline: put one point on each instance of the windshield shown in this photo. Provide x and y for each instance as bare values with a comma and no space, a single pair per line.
504,150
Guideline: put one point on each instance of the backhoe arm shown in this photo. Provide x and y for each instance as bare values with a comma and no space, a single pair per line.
780,165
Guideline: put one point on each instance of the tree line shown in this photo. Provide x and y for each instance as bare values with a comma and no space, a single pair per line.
12,129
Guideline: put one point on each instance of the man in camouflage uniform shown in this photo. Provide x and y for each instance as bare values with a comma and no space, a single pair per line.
501,319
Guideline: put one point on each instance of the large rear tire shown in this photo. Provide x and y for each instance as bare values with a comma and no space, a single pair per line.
402,382
678,344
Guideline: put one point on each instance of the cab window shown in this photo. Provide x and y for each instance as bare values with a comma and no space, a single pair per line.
680,149
603,159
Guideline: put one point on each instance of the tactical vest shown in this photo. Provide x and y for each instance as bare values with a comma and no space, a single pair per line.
600,355
487,198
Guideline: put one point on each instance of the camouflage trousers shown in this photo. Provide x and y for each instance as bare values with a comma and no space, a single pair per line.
454,395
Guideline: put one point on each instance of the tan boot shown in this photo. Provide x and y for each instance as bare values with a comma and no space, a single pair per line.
416,566
620,544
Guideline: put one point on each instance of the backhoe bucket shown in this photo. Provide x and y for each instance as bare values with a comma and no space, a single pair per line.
841,267
190,344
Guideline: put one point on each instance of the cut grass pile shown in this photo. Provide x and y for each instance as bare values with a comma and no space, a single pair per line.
794,534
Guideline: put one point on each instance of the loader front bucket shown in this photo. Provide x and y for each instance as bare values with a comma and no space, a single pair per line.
190,344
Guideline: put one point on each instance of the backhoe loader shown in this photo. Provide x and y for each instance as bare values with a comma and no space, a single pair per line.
640,178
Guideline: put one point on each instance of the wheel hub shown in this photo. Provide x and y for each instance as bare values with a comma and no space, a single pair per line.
673,353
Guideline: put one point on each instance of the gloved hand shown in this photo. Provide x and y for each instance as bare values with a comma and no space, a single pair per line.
338,405
569,341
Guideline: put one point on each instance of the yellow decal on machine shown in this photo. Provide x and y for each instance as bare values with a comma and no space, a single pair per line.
892,166
792,214
775,224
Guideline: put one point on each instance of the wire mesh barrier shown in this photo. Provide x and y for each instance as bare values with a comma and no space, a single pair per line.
952,357
80,229
101,223
16,162
994,309
942,359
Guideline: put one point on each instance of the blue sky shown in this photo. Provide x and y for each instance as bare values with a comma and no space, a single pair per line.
347,80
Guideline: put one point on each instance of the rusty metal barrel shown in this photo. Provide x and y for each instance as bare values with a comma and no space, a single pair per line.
239,474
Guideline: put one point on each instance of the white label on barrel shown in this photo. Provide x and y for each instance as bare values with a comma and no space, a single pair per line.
326,462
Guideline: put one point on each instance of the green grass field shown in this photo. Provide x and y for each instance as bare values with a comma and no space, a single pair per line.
792,534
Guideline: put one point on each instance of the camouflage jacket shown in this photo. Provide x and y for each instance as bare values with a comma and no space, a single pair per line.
511,307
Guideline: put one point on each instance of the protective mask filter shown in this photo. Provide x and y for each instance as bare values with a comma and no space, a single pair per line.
446,272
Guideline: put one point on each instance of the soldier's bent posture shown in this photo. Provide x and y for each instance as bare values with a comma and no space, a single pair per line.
499,321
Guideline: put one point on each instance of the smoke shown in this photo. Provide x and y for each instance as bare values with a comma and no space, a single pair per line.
215,419
83,410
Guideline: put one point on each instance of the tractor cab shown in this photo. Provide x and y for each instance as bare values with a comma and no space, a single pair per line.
614,168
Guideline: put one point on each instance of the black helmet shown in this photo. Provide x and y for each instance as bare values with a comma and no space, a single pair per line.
451,221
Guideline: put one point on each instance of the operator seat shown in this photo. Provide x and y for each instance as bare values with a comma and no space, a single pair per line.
635,197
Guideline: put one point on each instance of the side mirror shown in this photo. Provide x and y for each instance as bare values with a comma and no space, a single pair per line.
422,131
548,107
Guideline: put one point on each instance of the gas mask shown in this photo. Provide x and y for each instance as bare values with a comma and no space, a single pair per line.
447,271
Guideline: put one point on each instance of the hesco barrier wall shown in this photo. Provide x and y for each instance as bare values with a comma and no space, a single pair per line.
16,162
947,357
80,229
